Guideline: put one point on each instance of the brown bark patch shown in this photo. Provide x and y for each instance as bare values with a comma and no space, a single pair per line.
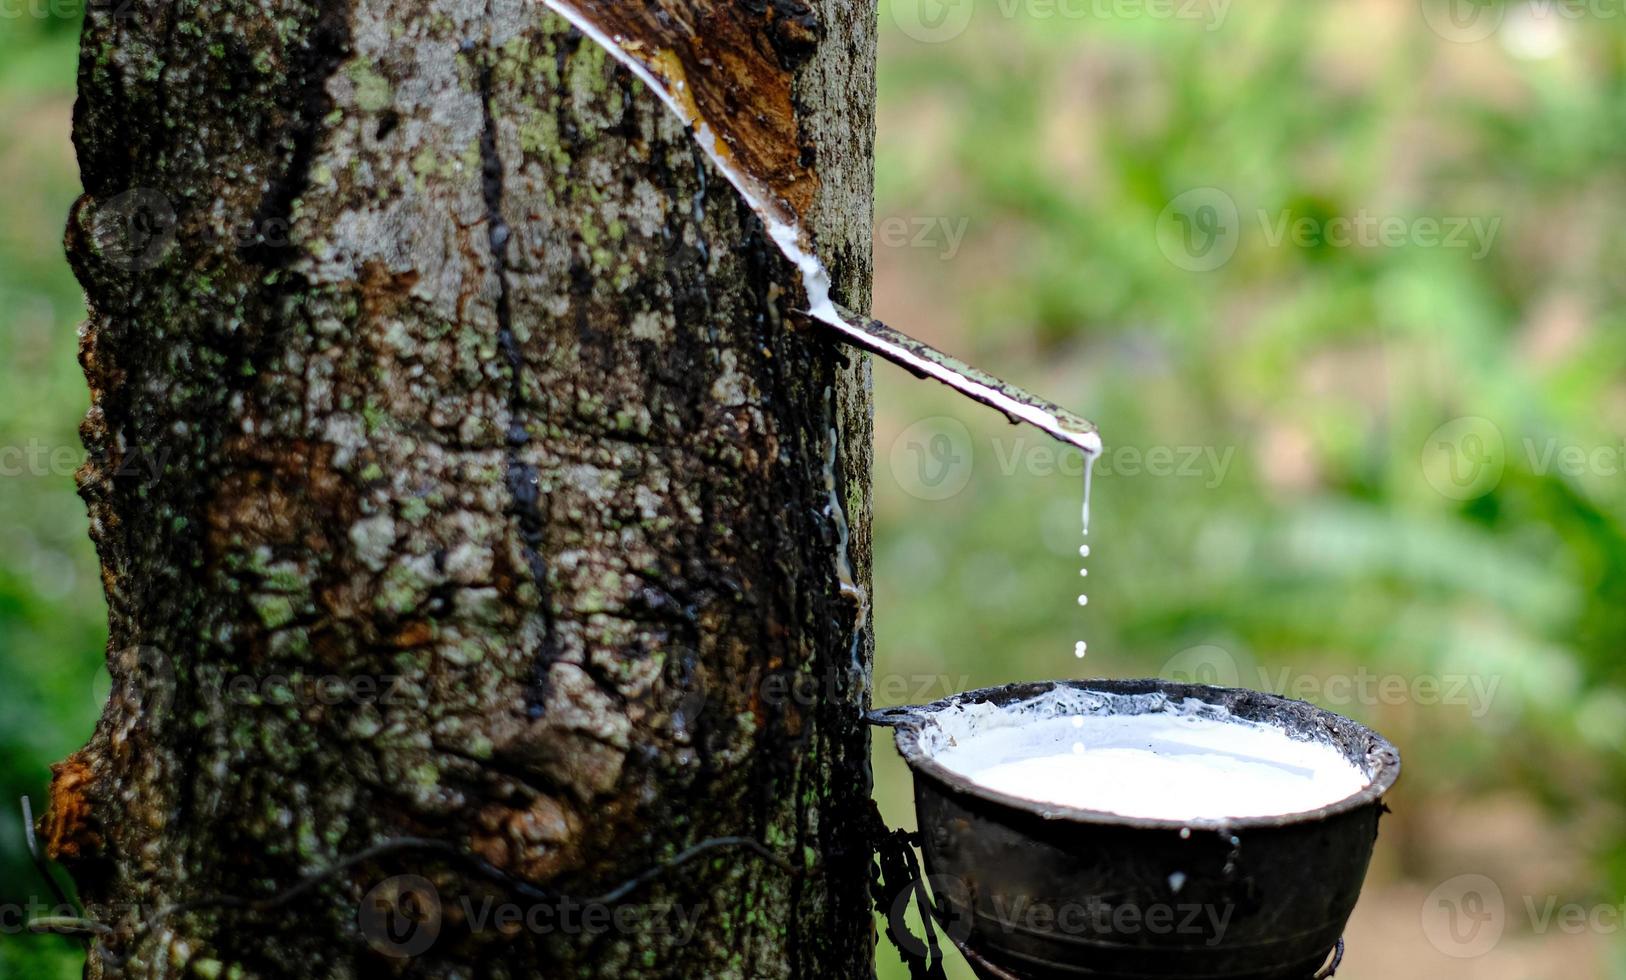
279,494
69,828
383,292
534,843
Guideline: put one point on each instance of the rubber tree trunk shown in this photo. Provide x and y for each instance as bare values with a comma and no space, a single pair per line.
457,474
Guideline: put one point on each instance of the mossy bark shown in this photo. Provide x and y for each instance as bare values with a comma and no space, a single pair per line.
500,501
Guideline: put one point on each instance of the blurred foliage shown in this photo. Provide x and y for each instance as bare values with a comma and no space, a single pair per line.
52,624
1337,544
1293,530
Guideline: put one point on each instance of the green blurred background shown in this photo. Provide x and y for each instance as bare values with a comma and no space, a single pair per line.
1341,282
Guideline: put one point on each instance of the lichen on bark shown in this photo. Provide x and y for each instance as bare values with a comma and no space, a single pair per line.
495,505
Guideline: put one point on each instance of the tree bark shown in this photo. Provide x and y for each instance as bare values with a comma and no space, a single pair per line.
457,474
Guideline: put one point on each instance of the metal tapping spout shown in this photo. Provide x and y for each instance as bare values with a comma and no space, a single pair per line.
925,361
753,145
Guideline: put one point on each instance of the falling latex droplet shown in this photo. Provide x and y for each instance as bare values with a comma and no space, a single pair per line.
1081,648
1078,748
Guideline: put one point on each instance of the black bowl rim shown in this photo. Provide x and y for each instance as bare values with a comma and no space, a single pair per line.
909,722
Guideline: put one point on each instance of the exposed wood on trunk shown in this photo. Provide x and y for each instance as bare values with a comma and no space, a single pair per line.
732,74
